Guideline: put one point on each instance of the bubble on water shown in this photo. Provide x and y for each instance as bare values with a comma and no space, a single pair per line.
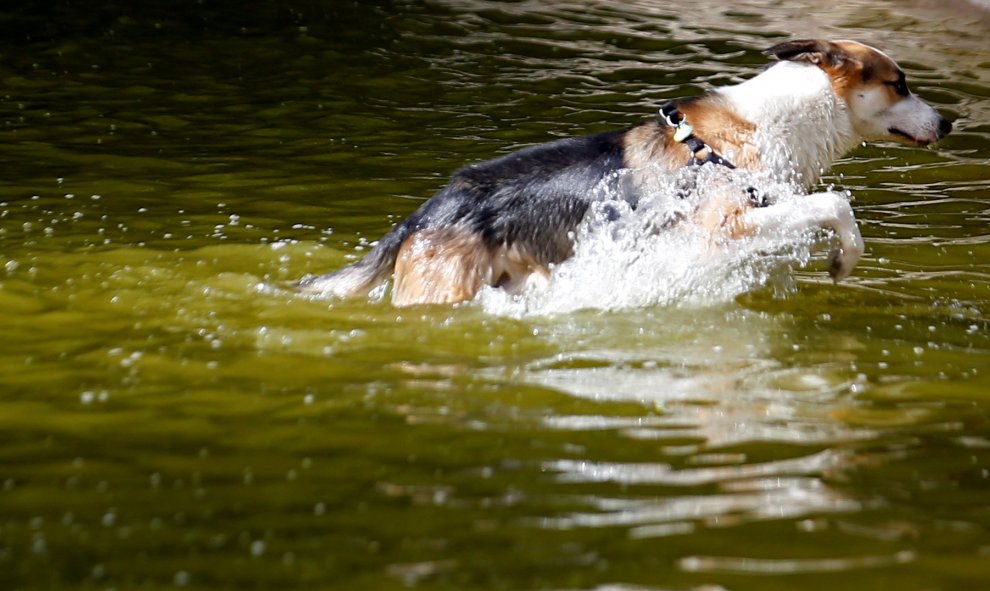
181,579
257,548
133,358
109,518
38,544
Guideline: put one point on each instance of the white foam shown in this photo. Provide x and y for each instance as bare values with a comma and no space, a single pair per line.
630,258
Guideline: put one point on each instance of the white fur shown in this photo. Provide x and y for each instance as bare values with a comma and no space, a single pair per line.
875,117
802,125
819,210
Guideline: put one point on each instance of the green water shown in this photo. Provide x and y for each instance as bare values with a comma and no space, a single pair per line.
172,417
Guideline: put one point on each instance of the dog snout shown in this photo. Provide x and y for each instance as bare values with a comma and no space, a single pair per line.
944,127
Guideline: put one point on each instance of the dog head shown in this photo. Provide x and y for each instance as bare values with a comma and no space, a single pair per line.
880,105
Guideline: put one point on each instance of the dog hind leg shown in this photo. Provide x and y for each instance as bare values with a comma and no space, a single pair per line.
440,267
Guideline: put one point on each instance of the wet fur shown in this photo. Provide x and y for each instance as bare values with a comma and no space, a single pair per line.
494,223
505,221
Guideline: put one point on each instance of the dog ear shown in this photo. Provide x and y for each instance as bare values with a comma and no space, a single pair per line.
814,51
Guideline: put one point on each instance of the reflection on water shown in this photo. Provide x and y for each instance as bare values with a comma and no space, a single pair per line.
749,493
173,416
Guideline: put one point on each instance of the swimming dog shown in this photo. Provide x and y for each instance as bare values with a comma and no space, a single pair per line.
505,222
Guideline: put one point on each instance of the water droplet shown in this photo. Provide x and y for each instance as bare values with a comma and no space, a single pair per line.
181,578
257,548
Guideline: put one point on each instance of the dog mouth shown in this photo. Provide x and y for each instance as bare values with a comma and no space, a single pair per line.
907,137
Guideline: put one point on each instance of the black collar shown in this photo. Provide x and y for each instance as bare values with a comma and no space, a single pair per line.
684,134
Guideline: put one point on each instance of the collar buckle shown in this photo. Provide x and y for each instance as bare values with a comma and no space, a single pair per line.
684,134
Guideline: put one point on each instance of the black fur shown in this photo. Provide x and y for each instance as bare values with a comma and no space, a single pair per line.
531,198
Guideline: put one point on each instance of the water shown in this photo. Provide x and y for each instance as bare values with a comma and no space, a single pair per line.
173,416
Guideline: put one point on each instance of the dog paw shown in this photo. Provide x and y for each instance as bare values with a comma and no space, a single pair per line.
850,246
839,266
843,259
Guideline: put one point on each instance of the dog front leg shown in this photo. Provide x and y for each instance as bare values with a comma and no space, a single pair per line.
819,210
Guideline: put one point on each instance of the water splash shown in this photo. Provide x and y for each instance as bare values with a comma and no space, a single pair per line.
637,252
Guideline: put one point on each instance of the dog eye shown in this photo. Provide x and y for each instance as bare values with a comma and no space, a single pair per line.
899,85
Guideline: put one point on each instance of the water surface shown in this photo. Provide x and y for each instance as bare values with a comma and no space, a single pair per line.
173,416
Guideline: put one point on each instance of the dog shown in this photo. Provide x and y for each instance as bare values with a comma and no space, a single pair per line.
505,222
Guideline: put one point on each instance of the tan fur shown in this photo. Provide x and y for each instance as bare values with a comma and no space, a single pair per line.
440,266
860,66
728,134
723,130
651,144
447,266
848,74
514,269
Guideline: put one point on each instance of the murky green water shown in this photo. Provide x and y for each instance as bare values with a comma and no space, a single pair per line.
171,417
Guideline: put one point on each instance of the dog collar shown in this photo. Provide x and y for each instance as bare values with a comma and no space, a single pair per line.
684,134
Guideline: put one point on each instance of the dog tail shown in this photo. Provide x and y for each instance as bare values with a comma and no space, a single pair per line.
360,278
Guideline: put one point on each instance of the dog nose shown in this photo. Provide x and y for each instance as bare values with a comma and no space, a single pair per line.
944,127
